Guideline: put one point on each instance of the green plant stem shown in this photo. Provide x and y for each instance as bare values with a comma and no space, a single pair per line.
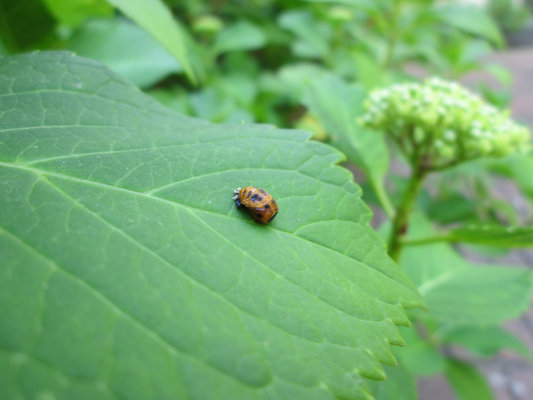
431,239
401,219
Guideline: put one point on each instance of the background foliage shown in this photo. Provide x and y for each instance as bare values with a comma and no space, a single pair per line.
293,64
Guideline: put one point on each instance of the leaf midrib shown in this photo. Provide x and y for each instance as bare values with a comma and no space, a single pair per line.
39,172
192,280
188,209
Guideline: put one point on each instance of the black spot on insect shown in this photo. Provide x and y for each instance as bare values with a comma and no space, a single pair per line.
256,197
259,215
267,206
263,192
249,193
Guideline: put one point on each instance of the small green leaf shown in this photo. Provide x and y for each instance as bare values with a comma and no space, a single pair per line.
461,292
486,340
490,235
471,19
126,49
126,271
467,382
242,35
157,20
337,105
312,35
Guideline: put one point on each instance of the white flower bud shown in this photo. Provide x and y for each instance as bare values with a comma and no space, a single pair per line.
447,117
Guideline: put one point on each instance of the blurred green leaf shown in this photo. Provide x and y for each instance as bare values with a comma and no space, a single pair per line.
126,49
474,180
209,104
337,106
464,55
74,12
485,340
238,87
241,63
450,207
127,271
242,35
498,236
175,98
3,50
510,15
420,357
154,17
24,24
312,35
369,72
502,74
517,167
399,385
461,292
467,382
472,19
311,124
499,95
213,105
364,4
296,79
229,97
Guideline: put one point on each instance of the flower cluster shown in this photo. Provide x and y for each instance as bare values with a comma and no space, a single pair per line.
440,123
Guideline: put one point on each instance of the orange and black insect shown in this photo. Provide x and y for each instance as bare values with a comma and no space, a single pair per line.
259,203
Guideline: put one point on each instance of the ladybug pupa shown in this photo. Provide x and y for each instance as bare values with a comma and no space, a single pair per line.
259,203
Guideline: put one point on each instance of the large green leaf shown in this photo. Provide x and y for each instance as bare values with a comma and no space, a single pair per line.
155,17
126,270
461,292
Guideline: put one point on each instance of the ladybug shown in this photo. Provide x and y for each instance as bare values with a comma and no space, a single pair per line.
259,203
